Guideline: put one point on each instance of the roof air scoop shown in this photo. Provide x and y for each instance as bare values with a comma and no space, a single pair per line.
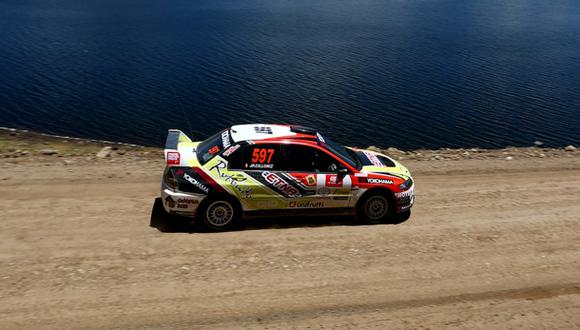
303,130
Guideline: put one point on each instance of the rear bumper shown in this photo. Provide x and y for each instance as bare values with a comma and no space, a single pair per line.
180,203
405,200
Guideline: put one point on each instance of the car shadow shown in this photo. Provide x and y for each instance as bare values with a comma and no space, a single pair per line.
168,223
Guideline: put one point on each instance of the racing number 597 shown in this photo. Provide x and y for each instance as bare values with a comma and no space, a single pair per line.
261,155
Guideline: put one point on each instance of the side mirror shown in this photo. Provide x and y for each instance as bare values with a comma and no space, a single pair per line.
343,171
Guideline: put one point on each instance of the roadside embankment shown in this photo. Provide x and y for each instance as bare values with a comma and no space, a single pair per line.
18,146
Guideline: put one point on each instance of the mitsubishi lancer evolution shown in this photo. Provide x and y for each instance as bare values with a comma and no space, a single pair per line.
257,170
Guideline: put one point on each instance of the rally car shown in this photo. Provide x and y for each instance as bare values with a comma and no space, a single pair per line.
279,170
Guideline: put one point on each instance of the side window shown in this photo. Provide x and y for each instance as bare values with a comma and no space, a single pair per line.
307,159
258,157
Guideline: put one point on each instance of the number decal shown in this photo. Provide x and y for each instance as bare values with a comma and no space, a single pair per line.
270,154
255,155
261,155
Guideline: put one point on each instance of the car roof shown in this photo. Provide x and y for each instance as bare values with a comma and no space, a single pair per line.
257,132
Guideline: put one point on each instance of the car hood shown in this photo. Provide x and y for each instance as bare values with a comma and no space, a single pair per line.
374,162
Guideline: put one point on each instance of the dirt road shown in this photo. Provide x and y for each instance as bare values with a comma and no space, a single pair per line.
491,244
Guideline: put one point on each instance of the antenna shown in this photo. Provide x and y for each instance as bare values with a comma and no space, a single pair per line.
182,108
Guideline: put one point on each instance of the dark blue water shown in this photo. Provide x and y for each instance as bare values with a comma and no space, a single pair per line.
404,73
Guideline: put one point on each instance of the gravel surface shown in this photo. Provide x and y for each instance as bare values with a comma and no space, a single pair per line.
492,244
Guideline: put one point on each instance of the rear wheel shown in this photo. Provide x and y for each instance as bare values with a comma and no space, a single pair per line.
220,214
374,208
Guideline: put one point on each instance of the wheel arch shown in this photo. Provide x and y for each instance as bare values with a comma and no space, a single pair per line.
221,195
377,190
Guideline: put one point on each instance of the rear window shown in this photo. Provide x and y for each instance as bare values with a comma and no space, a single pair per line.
211,147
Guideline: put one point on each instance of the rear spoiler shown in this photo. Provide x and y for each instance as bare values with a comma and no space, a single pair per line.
174,138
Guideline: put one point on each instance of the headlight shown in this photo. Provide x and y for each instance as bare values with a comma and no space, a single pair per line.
406,185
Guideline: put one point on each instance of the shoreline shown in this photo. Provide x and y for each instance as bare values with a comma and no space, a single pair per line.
25,144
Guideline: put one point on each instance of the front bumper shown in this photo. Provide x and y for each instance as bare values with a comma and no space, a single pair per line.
405,200
180,203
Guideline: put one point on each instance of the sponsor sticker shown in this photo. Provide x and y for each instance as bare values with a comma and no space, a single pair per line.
407,193
261,166
324,191
170,202
280,184
231,150
226,139
333,181
263,129
307,204
375,181
374,159
214,150
220,169
173,158
187,201
311,180
196,183
405,199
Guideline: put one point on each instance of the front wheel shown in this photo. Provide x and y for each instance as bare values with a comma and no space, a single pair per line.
374,208
220,214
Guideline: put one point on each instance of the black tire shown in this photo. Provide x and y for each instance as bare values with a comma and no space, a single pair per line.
402,217
374,208
219,213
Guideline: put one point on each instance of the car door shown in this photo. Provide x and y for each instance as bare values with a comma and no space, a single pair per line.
262,166
317,173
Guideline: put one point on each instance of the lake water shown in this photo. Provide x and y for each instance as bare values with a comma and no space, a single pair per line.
403,73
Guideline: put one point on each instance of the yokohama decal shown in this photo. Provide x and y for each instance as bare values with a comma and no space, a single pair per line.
189,180
375,181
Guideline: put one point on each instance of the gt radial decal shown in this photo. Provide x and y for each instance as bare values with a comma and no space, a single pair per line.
278,183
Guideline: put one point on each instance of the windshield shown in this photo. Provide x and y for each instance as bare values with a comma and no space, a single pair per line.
209,148
344,153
